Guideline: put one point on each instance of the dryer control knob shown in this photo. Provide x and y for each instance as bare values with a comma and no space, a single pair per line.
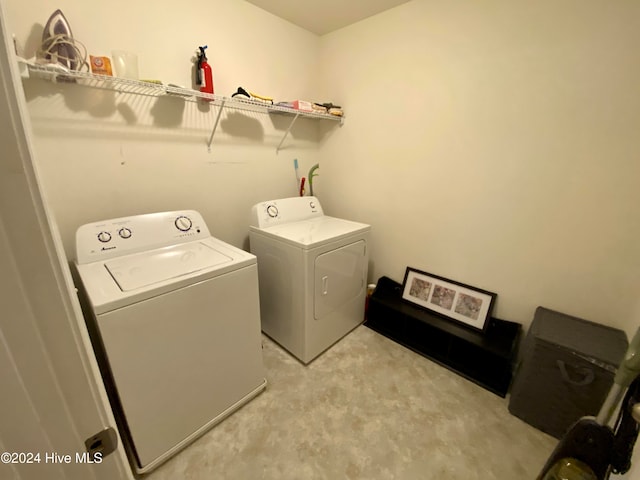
272,211
183,223
104,237
124,233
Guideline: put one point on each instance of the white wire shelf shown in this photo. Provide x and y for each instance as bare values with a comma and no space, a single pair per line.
57,74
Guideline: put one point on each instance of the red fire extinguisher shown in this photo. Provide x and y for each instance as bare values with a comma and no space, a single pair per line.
204,75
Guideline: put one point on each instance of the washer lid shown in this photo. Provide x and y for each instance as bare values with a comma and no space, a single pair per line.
315,231
143,269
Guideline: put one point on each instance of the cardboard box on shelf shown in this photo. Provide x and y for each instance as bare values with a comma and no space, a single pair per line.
302,105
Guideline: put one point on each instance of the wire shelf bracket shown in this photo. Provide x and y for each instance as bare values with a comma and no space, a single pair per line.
287,132
215,125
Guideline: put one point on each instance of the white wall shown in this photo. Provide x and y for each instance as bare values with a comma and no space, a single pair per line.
495,143
492,144
103,155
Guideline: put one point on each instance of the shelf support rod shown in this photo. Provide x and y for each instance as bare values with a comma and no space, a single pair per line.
215,126
287,132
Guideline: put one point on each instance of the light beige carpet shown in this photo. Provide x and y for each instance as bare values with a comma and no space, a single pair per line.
366,409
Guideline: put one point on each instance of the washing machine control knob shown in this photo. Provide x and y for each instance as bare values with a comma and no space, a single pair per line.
272,211
104,237
124,233
183,223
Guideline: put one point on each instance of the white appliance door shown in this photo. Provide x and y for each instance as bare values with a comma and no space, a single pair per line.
339,277
49,376
181,359
143,269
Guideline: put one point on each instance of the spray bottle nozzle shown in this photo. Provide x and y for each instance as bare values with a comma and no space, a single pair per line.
201,57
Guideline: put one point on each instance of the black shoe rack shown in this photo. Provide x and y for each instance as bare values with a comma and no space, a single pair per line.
486,358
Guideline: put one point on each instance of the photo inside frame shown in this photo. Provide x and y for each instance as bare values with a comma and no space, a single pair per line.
451,299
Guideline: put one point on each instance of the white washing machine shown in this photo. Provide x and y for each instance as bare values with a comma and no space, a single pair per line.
313,274
174,319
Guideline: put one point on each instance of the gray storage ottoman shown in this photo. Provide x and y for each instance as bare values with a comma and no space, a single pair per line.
566,371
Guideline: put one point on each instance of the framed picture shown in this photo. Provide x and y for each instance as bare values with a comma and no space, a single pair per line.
456,301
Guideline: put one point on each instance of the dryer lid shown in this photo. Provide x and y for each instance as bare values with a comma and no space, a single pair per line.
143,269
314,232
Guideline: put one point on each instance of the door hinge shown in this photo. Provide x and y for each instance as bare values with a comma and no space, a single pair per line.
102,444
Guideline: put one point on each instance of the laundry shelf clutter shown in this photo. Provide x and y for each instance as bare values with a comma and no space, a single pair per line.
57,73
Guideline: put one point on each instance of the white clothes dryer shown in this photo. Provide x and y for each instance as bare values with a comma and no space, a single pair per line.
174,320
312,272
